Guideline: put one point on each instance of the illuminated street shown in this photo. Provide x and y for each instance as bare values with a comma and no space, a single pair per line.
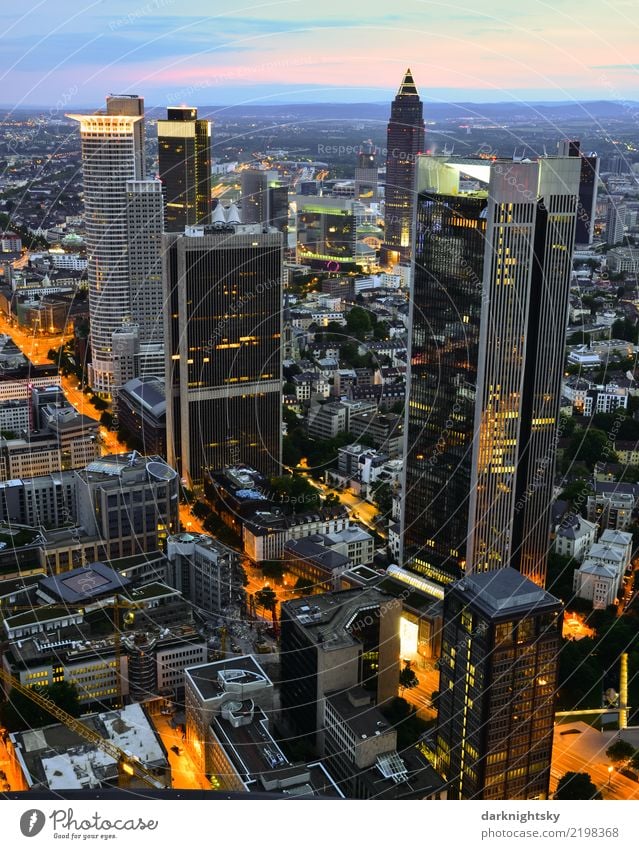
575,628
184,773
583,749
34,347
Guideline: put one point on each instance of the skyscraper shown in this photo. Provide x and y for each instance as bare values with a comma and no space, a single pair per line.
223,323
366,174
254,196
493,253
405,140
144,211
184,156
588,182
615,221
112,147
498,678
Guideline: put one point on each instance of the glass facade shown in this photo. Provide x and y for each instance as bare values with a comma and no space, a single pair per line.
449,251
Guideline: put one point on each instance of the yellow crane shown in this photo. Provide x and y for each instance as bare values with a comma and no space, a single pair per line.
128,766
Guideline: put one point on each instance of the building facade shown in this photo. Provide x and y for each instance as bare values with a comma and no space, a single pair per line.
488,318
223,323
112,147
498,679
184,157
405,140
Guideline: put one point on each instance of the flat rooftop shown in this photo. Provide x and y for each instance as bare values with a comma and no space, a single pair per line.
205,677
63,760
502,590
84,583
326,617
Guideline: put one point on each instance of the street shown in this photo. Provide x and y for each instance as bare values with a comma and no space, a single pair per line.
34,347
583,749
185,774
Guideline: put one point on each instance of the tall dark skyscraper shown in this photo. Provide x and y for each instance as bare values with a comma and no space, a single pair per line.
588,182
223,291
405,139
493,249
498,679
184,154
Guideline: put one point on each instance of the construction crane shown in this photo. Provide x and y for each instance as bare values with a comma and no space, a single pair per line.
128,766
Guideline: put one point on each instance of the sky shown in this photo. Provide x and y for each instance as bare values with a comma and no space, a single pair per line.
66,54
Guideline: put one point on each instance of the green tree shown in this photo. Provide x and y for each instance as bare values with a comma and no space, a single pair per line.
619,752
383,495
266,598
576,785
106,419
358,322
407,678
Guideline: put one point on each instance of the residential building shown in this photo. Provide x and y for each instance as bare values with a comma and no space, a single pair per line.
498,680
613,505
310,560
223,325
488,317
597,582
605,400
574,536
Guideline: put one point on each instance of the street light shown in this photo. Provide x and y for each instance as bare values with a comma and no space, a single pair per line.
611,769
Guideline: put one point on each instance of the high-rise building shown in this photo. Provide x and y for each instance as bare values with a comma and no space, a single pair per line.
366,174
615,222
144,211
112,147
223,323
588,183
498,679
488,316
405,140
254,196
184,157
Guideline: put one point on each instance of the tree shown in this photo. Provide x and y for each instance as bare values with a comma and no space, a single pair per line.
576,785
272,568
106,419
619,752
266,598
407,678
358,322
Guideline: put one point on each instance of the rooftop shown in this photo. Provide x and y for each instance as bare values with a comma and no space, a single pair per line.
501,591
63,760
327,617
210,681
84,583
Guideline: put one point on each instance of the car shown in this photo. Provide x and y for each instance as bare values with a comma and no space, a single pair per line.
570,731
629,774
175,749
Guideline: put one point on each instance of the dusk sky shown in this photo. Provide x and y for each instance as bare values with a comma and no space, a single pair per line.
207,52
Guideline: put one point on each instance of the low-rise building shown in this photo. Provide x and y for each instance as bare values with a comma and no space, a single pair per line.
574,536
57,758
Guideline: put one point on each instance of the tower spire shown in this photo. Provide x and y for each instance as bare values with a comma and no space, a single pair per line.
408,87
